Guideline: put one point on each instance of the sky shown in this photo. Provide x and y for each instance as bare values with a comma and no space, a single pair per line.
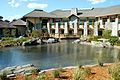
14,9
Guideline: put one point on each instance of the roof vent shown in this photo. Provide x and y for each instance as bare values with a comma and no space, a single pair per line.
38,10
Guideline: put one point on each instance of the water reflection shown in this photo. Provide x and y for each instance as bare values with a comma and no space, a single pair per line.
54,55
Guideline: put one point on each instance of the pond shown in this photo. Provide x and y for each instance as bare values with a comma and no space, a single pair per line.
58,54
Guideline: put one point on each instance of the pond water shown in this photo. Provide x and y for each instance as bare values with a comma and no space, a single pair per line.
58,54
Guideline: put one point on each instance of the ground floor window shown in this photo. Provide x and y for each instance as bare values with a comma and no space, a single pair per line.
52,31
71,32
80,32
100,32
61,31
90,32
119,33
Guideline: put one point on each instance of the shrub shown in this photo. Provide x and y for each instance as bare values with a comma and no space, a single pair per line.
106,34
118,43
56,73
26,77
115,71
23,39
81,73
41,77
114,39
6,32
87,71
37,33
7,38
77,74
60,69
3,75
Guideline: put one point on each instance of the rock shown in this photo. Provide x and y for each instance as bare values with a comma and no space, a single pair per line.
76,41
40,41
52,40
30,42
19,71
25,69
28,65
10,75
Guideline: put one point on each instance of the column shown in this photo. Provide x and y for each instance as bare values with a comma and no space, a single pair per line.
85,28
115,27
75,28
66,28
70,23
108,19
96,28
48,27
57,30
108,24
101,22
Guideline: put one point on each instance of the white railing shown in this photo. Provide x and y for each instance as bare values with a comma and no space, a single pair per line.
81,26
62,26
118,26
91,26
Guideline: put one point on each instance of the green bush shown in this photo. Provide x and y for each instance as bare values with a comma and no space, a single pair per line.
6,32
3,75
37,33
6,38
23,39
106,34
41,77
114,39
115,71
118,43
56,73
93,38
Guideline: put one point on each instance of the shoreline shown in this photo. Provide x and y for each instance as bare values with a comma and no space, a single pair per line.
72,67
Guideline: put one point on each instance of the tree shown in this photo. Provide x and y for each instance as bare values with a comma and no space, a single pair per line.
6,32
1,17
7,21
14,19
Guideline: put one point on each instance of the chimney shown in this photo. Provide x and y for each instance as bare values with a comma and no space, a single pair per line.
74,11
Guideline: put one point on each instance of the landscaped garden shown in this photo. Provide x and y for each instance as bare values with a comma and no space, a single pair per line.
95,72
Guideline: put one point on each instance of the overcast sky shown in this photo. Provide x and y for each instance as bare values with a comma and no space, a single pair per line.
11,9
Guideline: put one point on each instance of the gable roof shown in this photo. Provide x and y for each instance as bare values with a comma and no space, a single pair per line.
61,13
18,22
97,12
94,12
39,13
4,24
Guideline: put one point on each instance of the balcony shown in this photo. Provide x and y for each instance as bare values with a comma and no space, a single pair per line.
52,25
61,25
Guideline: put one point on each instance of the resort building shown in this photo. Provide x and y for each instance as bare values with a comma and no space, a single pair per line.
75,22
20,26
6,29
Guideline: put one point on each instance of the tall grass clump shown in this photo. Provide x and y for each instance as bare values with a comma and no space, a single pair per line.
115,71
41,77
80,73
